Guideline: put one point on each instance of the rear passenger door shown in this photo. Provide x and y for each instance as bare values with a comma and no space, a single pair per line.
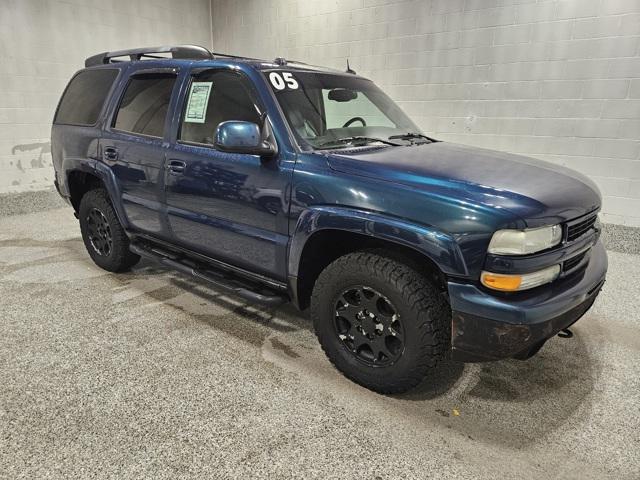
134,145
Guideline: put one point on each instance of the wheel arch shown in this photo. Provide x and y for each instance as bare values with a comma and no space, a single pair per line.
323,234
85,175
80,182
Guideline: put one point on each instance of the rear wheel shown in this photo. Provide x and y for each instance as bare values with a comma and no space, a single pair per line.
104,237
381,323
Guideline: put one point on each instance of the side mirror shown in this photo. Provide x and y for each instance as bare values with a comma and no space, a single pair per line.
243,137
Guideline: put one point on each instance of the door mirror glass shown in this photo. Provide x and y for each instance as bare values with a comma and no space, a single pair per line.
242,137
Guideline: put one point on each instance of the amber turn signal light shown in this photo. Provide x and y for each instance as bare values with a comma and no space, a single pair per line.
513,283
507,283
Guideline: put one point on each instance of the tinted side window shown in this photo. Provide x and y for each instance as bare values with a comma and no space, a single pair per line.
145,103
230,97
84,97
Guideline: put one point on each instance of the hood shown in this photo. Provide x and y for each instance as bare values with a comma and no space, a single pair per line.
539,192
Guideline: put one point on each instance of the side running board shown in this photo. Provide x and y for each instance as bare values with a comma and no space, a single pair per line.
220,279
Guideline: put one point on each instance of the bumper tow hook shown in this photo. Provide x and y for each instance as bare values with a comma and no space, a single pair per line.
565,333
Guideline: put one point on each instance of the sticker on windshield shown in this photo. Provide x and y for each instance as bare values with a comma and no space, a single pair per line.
198,101
282,81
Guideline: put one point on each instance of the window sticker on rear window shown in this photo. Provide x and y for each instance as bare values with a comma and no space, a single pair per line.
198,101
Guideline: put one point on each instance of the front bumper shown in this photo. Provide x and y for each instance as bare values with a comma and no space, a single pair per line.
486,326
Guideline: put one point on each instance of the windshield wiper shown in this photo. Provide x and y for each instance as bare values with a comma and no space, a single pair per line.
337,142
411,135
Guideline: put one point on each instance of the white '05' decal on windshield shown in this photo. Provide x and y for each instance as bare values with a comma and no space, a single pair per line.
280,82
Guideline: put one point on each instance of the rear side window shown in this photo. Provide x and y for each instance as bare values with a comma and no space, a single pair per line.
145,103
84,97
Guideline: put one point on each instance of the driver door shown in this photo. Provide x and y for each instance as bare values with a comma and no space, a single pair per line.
228,206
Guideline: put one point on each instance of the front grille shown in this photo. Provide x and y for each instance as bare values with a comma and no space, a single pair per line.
578,229
573,262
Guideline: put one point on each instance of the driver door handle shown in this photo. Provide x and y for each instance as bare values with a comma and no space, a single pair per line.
176,167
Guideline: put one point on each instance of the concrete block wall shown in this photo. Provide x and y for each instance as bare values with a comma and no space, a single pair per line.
558,80
43,42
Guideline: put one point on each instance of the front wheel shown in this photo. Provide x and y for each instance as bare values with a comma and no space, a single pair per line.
381,323
104,237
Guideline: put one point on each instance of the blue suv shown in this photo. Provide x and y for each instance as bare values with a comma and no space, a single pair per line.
280,181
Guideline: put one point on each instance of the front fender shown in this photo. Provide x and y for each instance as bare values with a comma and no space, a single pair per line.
441,248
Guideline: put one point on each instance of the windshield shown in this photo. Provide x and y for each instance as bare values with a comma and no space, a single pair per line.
339,111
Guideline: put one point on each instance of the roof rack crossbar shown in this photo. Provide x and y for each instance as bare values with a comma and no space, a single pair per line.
192,52
227,55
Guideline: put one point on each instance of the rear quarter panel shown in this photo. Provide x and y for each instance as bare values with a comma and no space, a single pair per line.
72,147
75,147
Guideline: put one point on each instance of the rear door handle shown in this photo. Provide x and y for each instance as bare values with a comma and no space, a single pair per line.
110,154
176,166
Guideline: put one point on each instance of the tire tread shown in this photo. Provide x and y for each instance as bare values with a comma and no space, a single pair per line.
122,258
421,297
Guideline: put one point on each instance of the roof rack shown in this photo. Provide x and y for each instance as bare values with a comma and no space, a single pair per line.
192,52
241,57
185,52
281,61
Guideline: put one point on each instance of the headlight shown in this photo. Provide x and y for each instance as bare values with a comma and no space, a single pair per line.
522,242
513,283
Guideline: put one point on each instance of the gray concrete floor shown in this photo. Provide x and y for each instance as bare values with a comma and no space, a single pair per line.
150,373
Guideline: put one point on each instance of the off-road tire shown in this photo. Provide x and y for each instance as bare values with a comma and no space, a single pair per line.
425,315
119,257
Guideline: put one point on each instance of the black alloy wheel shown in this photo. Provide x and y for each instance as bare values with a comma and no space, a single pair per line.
369,326
99,232
103,235
381,323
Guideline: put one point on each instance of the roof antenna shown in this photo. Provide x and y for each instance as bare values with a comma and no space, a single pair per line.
353,72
